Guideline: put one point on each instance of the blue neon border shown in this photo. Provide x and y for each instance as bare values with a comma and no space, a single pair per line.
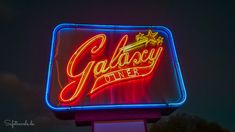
124,106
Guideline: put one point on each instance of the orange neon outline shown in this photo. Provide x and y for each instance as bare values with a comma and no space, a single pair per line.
83,75
78,52
80,85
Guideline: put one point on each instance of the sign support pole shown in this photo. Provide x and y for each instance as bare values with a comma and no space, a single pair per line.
120,126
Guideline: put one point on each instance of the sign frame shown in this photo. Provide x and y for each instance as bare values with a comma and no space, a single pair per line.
175,63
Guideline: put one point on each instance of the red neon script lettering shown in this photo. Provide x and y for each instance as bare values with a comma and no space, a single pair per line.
129,61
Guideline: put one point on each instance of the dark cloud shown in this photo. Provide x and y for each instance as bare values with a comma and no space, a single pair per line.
24,101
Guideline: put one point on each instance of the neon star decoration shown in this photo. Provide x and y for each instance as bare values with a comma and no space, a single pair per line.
129,61
144,40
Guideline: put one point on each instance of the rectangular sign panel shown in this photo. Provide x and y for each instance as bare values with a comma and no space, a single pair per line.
113,67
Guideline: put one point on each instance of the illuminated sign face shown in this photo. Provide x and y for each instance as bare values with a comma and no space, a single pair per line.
112,67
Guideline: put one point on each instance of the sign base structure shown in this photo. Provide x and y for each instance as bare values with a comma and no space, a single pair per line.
85,117
120,126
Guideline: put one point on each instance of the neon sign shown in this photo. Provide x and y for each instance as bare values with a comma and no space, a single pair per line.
107,66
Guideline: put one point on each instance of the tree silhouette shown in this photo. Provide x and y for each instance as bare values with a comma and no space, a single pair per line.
185,123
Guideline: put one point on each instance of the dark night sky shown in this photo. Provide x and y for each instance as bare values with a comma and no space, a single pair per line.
204,37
